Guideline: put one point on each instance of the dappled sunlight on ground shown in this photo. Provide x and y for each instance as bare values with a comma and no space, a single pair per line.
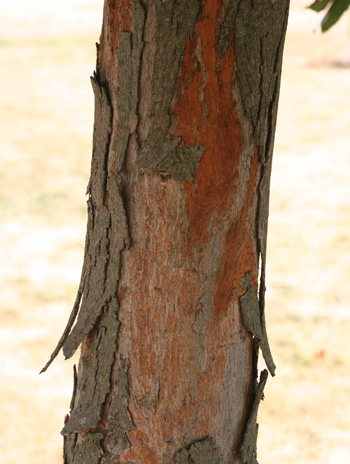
48,54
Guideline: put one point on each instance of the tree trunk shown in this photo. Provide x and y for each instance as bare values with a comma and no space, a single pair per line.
173,282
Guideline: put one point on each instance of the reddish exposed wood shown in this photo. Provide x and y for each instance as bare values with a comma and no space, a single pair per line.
240,248
212,196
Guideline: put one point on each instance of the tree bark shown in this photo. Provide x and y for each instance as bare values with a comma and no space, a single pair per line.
172,311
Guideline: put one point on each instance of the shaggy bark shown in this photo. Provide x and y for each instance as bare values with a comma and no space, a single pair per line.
173,282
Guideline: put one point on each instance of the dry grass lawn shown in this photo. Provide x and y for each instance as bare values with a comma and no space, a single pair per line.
47,55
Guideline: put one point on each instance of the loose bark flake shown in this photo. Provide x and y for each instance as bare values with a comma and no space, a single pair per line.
96,363
248,447
107,233
259,42
251,314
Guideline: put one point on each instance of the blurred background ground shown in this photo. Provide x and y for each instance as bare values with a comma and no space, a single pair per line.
47,53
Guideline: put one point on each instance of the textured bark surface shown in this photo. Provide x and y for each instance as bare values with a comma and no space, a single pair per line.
172,313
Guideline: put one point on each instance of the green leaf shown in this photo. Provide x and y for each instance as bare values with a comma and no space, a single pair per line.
319,5
334,13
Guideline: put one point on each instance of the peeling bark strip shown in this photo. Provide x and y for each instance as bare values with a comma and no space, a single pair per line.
259,43
185,110
251,315
248,447
95,371
107,232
